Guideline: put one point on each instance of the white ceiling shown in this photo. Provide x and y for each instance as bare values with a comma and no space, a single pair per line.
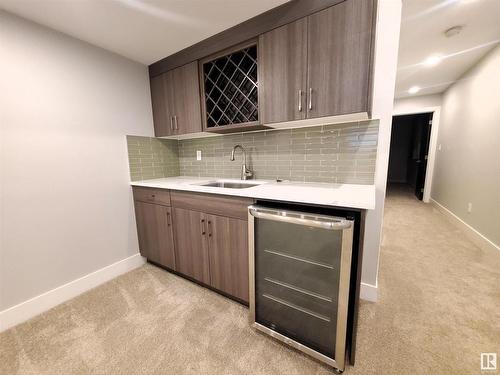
423,24
142,30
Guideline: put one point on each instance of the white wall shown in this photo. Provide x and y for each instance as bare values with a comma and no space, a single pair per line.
66,205
468,165
386,56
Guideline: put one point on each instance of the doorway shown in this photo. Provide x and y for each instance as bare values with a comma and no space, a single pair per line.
408,155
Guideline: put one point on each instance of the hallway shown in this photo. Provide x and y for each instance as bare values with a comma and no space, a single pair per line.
438,309
439,296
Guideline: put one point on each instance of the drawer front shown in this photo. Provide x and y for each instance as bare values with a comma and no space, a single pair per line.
212,204
151,195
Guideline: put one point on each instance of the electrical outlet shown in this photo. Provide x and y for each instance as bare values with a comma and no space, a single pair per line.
469,207
198,155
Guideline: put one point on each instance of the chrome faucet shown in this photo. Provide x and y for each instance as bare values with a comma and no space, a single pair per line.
245,172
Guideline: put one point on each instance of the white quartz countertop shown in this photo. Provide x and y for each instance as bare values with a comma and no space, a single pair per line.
335,195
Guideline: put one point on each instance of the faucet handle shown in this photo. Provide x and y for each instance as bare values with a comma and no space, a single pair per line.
246,173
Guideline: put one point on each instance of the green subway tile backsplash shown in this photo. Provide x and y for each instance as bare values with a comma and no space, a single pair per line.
342,153
152,157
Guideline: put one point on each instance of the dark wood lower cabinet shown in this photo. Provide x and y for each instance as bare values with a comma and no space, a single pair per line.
191,245
212,249
228,254
201,236
154,229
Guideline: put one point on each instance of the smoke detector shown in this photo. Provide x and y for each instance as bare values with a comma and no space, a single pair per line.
453,31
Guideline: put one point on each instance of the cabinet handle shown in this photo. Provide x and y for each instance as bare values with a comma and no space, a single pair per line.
310,98
202,227
176,125
209,228
300,100
168,218
171,122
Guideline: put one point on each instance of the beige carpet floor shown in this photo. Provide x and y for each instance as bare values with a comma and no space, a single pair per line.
439,309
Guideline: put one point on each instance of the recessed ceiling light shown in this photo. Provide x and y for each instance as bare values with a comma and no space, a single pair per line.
433,60
413,90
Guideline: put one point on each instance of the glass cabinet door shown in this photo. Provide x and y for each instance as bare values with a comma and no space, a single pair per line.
297,272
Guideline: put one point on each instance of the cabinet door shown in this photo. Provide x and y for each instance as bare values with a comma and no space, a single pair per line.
168,89
158,103
154,229
191,244
282,73
339,59
228,249
186,98
161,101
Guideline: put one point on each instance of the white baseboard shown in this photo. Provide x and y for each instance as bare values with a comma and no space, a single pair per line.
368,292
472,234
36,305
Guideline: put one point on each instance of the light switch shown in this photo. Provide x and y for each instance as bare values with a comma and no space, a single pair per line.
198,155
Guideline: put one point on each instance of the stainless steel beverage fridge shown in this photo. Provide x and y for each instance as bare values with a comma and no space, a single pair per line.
300,265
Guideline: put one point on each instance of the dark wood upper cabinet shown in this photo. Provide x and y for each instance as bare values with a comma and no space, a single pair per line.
319,65
283,73
228,249
340,59
154,229
169,103
159,106
185,94
230,89
175,97
191,245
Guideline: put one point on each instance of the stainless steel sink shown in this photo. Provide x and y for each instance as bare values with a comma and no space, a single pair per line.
229,185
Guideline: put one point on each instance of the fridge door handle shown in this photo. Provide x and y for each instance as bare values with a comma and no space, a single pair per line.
292,217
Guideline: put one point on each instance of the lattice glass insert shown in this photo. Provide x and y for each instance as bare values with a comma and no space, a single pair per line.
231,88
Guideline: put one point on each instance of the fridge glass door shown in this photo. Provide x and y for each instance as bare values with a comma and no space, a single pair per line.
297,274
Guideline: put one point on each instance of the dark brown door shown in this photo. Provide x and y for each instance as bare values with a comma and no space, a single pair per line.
186,99
168,88
190,228
339,59
154,229
228,248
421,141
158,103
282,73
